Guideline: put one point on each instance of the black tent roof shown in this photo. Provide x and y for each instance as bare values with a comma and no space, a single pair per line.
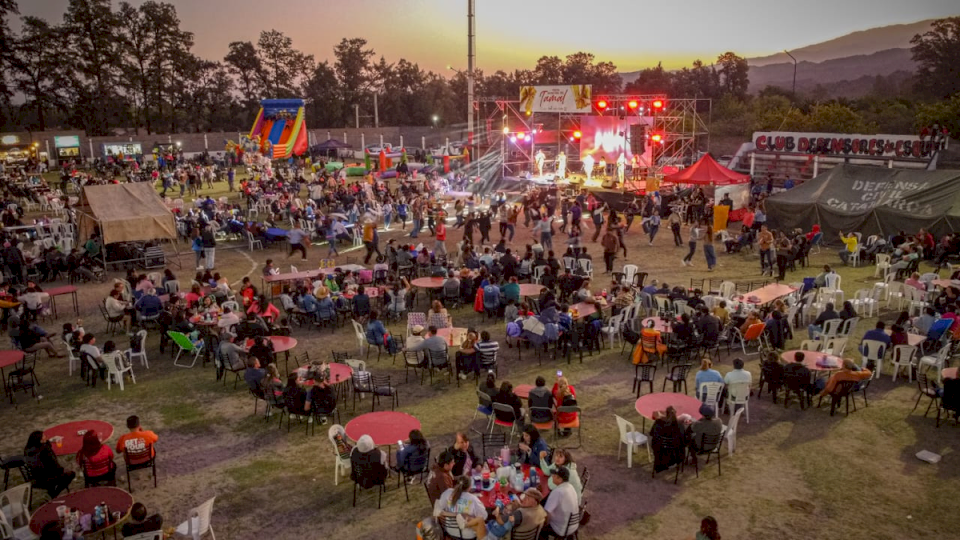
870,200
330,144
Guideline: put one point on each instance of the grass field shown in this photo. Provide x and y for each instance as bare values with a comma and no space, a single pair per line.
796,474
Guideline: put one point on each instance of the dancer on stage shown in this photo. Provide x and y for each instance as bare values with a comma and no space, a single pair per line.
603,168
621,168
539,159
588,167
561,165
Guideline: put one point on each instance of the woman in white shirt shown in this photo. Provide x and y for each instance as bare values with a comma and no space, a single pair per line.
438,316
117,309
458,501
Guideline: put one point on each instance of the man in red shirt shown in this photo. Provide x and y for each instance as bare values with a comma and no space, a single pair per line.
136,441
441,246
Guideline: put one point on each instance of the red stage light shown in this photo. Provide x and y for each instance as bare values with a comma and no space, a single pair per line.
657,138
520,135
633,104
658,104
602,104
577,135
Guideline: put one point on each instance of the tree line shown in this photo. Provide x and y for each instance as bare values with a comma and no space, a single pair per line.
101,68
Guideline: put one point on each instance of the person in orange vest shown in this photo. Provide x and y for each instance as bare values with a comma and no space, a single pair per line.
370,240
441,246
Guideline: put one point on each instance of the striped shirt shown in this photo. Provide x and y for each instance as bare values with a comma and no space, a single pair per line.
487,347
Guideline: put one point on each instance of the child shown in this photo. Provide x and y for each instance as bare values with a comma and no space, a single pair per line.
195,338
282,328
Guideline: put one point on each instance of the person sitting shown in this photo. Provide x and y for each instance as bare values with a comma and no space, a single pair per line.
511,290
531,446
667,439
44,467
565,395
850,245
30,337
561,458
254,374
252,326
140,522
752,318
264,309
721,312
230,351
440,478
850,372
433,343
465,506
262,349
738,374
707,426
561,504
463,455
923,322
507,397
821,279
368,463
799,372
829,313
540,398
117,309
914,281
438,316
651,340
451,285
412,457
877,334
96,461
706,374
136,441
361,303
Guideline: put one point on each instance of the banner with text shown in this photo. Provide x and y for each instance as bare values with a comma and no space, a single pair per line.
574,98
846,144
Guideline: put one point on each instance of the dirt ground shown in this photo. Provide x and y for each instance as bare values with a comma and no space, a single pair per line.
795,474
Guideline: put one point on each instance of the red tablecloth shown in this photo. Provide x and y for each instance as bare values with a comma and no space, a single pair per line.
810,359
280,343
523,390
659,401
384,428
72,442
428,282
949,373
530,289
57,291
339,373
83,500
489,498
9,358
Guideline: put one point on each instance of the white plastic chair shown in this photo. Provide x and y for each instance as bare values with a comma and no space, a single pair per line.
831,328
252,242
710,394
15,505
633,439
234,307
848,326
883,287
903,357
142,355
873,350
341,464
586,265
728,289
613,328
937,361
895,290
629,270
116,369
731,433
833,280
198,524
360,335
835,346
538,273
72,359
866,301
811,345
738,393
917,299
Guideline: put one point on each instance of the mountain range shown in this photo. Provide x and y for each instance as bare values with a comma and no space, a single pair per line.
848,65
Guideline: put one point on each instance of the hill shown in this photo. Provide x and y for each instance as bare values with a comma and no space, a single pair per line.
860,43
810,74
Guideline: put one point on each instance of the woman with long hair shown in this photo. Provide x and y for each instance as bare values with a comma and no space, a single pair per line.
412,457
565,395
531,446
460,503
561,458
96,461
708,529
708,250
667,439
44,467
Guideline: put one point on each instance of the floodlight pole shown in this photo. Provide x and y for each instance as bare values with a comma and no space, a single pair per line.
794,89
471,57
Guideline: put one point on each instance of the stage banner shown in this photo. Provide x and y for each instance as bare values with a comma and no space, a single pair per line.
576,98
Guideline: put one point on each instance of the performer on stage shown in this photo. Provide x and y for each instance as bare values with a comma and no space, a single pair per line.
539,159
588,166
621,168
561,165
603,168
635,167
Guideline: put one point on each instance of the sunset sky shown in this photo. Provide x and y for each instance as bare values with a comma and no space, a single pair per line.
514,33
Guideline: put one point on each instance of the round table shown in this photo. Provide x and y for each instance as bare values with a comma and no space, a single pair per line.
445,333
659,401
428,282
949,373
385,428
523,390
810,360
280,343
84,500
72,441
530,289
659,324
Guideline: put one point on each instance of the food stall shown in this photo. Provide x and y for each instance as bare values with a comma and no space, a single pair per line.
67,147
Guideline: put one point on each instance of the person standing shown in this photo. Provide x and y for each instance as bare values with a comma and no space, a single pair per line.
674,221
440,247
544,227
695,232
298,240
765,241
230,179
370,240
209,247
708,250
653,224
610,245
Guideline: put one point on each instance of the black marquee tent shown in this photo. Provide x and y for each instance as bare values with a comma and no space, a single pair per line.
870,200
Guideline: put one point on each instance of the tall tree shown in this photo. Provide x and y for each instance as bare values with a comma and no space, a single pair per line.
324,90
937,53
39,72
549,70
8,8
651,81
352,66
734,74
91,29
243,63
284,68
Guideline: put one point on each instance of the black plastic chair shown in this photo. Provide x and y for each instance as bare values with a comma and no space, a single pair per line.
799,385
146,459
383,388
709,445
678,376
438,360
841,393
412,360
413,468
224,367
644,373
12,462
668,446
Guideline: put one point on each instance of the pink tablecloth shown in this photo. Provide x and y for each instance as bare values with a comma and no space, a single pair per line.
949,373
72,441
523,390
810,359
339,374
428,282
659,401
530,289
384,428
280,343
9,358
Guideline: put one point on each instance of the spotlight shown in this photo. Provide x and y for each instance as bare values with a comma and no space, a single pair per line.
577,134
658,104
513,139
602,105
506,130
521,135
633,104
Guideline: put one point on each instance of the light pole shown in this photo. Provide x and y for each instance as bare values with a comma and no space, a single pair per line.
471,57
794,89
